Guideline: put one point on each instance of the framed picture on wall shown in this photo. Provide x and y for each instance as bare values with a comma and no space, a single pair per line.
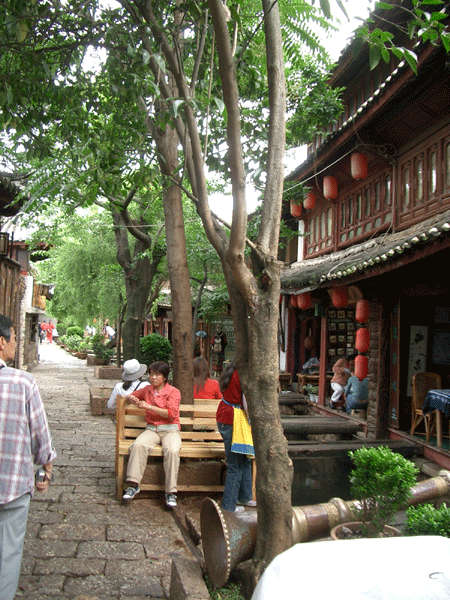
333,339
331,314
341,351
350,327
351,339
350,314
332,327
331,352
342,339
341,314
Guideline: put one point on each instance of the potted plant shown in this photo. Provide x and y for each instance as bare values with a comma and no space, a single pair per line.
380,482
312,391
102,353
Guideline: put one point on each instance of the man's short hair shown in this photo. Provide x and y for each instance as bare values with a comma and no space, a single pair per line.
5,327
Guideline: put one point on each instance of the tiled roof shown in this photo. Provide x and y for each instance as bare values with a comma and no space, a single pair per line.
361,258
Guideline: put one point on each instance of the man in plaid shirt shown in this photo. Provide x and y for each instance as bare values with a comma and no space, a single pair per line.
24,439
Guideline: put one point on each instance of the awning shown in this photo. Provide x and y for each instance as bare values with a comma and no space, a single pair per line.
360,259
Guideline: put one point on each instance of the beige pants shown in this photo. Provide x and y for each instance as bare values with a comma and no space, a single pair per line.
142,447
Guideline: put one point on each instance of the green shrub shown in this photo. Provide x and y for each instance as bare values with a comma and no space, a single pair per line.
381,481
74,330
311,389
100,350
155,347
425,519
72,342
85,344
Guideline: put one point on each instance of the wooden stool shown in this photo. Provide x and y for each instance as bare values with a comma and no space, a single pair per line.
359,412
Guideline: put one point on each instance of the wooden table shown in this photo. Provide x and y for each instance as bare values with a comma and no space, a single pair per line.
305,378
438,400
285,380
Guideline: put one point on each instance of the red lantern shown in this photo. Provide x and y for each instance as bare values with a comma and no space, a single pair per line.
330,187
304,300
310,201
339,296
296,209
362,311
358,165
362,339
361,366
293,301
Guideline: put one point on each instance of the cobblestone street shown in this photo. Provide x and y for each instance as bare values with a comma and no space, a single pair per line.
81,543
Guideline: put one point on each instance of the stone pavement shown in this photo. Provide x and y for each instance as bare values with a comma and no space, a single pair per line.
81,543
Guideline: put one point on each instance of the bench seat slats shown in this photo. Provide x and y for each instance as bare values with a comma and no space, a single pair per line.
199,434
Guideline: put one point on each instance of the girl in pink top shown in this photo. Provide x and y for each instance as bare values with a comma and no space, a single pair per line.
204,387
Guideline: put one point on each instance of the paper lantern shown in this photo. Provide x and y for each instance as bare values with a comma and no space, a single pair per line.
304,300
293,301
362,339
339,296
296,209
358,165
362,311
310,201
361,366
330,187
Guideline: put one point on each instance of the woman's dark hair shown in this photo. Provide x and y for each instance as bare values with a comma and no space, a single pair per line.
201,373
126,384
5,327
227,374
160,367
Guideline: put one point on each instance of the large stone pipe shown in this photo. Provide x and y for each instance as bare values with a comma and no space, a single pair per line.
230,538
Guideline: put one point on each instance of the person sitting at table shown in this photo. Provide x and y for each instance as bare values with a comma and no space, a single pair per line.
356,393
311,366
339,381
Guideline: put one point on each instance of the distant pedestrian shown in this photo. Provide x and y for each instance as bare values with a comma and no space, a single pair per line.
24,437
50,328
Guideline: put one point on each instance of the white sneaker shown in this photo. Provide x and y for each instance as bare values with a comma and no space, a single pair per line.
171,500
250,503
131,492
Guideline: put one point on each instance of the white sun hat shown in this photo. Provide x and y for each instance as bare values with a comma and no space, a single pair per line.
132,370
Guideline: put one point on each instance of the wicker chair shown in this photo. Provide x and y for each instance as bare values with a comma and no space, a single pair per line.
422,383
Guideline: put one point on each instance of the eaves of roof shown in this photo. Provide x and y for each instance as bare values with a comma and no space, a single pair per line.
360,259
11,182
350,122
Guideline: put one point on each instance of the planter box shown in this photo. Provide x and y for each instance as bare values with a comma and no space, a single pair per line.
107,372
90,359
81,355
98,397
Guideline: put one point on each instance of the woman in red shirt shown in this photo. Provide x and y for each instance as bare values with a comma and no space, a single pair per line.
204,387
162,404
238,483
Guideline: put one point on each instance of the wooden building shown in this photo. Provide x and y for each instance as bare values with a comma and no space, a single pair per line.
21,299
378,228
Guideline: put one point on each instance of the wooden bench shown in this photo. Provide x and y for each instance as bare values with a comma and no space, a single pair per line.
202,451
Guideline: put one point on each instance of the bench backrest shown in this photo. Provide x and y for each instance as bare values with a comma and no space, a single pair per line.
197,421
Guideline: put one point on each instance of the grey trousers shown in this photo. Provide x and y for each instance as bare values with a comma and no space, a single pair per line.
142,447
13,523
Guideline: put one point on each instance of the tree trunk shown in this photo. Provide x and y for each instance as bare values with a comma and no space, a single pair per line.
180,290
139,272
